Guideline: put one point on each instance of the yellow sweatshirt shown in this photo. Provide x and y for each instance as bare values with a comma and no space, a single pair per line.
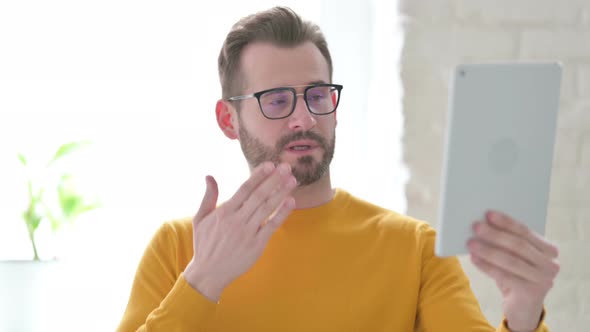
347,265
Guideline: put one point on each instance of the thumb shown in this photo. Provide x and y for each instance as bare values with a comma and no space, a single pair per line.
209,200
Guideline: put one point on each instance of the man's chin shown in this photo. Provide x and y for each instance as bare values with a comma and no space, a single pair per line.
302,159
307,174
306,179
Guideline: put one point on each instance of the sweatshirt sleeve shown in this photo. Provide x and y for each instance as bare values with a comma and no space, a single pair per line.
540,328
161,299
446,301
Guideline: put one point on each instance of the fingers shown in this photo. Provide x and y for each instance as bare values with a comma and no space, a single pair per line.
516,246
266,231
209,199
508,224
269,208
264,197
227,243
506,280
269,195
511,264
503,244
496,273
259,174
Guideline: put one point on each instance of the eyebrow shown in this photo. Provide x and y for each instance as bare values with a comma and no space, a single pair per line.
299,86
234,98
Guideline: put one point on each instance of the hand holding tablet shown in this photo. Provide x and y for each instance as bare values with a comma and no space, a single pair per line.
496,177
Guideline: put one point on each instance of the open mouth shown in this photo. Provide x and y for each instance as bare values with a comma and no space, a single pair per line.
302,145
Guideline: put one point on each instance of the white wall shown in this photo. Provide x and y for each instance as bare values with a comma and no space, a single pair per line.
139,79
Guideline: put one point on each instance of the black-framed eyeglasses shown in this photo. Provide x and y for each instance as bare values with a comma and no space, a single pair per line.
279,103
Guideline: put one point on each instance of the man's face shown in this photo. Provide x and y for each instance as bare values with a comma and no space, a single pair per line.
304,140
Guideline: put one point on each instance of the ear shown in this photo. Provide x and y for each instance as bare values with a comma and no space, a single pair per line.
225,119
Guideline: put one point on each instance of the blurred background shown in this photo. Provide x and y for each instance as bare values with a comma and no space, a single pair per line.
138,81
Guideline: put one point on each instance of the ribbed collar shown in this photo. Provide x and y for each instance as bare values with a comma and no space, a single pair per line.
305,220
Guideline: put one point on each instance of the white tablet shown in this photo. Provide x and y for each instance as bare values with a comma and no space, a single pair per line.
499,148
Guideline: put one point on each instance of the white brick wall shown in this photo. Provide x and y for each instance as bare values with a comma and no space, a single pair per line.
583,80
440,34
521,12
585,154
568,43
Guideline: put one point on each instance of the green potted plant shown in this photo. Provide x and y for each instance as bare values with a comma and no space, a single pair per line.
30,287
42,203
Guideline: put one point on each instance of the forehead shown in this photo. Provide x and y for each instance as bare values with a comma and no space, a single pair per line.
265,66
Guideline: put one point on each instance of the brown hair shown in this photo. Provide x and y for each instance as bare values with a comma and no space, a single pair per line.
280,26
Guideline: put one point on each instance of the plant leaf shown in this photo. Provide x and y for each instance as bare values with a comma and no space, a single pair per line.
67,149
71,202
86,207
33,216
55,223
22,159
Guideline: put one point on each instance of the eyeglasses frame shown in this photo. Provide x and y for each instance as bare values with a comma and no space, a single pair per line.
258,94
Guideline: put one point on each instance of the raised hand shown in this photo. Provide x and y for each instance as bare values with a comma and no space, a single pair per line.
523,264
227,240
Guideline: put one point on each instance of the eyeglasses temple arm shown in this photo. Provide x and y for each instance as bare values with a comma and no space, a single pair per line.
240,97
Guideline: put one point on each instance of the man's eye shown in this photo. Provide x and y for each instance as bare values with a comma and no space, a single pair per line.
317,97
278,102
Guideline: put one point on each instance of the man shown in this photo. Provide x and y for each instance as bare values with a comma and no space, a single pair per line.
289,253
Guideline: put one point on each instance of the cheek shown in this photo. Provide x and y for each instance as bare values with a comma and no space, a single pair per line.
272,136
327,124
266,133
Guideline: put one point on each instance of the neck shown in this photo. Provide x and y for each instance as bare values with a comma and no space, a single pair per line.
315,194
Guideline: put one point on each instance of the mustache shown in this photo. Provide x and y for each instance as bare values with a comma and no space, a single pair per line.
300,135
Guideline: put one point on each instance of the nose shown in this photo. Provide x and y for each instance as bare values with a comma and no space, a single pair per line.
301,119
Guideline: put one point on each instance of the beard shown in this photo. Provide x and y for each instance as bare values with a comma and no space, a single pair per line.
306,169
